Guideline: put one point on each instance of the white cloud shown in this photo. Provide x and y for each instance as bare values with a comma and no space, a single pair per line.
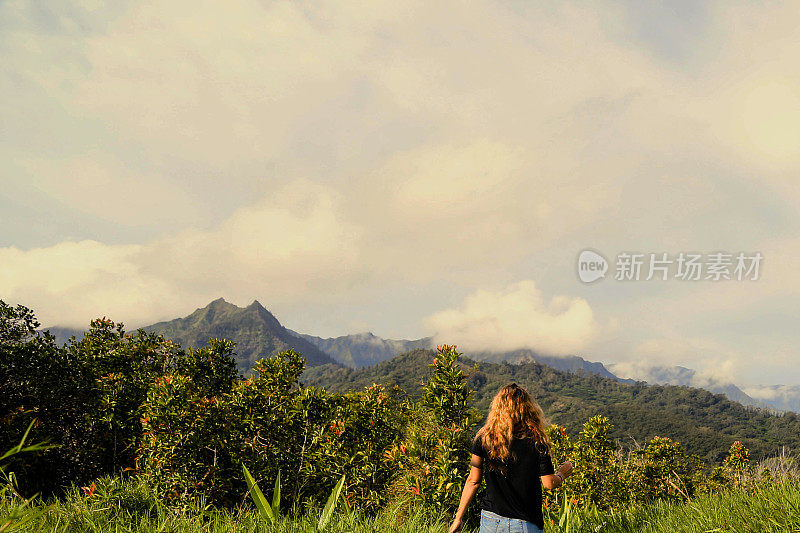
291,244
516,317
656,359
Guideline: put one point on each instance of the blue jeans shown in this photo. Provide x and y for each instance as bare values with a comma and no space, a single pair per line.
494,523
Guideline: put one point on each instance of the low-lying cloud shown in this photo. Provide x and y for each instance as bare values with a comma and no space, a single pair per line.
517,316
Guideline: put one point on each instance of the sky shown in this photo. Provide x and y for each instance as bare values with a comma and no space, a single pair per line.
411,169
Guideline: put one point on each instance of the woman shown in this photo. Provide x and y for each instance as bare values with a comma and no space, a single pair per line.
514,451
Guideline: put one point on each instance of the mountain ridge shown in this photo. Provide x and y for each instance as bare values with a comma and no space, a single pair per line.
358,350
682,376
365,349
255,330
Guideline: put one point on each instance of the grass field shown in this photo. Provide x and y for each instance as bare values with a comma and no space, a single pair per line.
771,508
130,507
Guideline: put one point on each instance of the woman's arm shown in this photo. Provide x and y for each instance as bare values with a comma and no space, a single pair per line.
470,488
553,481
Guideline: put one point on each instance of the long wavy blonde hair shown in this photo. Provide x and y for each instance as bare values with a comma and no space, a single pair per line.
514,413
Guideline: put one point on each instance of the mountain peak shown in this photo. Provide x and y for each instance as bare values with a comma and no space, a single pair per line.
256,332
264,314
219,302
256,305
212,310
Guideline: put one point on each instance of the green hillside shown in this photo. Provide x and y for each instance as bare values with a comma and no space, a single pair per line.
705,423
256,332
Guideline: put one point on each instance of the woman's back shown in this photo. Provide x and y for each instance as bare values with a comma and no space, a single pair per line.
512,451
513,487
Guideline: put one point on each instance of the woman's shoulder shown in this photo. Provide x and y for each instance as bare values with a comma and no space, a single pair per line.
528,442
477,446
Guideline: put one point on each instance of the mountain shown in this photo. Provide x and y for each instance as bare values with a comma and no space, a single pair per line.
567,363
705,423
363,349
63,335
784,397
256,332
682,376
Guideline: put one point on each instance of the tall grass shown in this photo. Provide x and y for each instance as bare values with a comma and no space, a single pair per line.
129,506
122,507
770,508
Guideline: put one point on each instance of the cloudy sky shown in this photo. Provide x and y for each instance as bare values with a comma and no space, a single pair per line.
410,168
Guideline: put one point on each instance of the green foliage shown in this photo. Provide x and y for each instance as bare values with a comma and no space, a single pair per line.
193,443
597,475
662,470
184,424
561,448
362,427
39,380
88,395
767,508
446,394
604,479
434,457
211,369
130,507
7,456
738,459
20,510
123,367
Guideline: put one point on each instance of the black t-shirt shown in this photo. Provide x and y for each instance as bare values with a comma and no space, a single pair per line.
515,491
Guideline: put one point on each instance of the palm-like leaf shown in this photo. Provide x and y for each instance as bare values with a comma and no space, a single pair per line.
331,505
276,495
258,497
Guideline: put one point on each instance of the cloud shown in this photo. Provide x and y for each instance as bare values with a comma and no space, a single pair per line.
288,245
516,317
681,359
653,372
100,185
452,177
785,397
433,148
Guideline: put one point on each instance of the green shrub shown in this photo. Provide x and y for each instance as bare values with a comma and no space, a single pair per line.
597,479
662,470
363,428
194,443
434,456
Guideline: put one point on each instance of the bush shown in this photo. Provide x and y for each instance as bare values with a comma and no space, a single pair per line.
435,452
195,444
597,479
662,470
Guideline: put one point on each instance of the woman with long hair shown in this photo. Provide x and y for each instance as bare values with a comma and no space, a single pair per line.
513,450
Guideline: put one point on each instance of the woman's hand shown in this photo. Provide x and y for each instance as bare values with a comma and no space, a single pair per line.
565,469
455,527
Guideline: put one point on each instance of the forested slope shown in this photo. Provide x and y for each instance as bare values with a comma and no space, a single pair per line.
705,423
